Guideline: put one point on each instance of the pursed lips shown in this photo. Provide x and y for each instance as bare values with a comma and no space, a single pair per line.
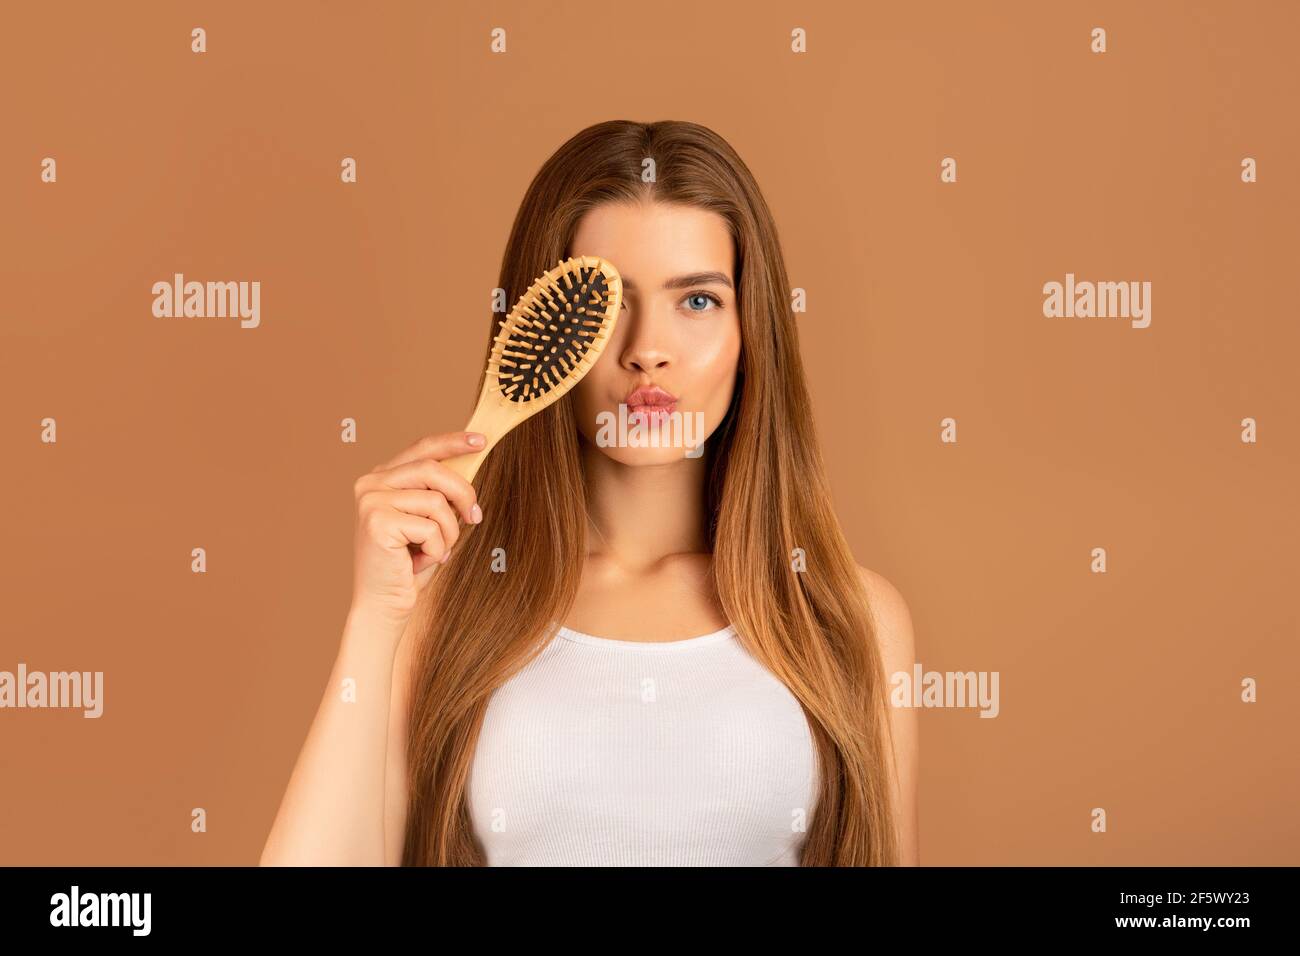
650,403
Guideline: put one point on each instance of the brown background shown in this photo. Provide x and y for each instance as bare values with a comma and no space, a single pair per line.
1118,690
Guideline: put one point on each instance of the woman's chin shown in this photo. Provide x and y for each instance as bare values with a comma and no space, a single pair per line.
638,456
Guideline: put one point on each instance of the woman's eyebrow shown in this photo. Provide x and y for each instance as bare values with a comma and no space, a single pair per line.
686,281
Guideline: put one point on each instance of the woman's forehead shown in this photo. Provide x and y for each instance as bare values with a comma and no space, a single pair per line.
652,243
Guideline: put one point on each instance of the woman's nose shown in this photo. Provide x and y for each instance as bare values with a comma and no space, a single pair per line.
648,361
646,349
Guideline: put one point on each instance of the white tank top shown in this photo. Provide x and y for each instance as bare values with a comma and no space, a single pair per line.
602,752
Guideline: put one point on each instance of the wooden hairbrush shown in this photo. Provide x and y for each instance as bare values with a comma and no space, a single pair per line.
547,343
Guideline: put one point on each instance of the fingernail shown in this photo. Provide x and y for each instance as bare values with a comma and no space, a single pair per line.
445,557
475,439
475,514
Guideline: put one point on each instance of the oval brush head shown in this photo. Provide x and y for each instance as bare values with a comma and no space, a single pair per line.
547,343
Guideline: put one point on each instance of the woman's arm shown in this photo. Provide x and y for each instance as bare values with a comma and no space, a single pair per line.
897,648
333,811
346,800
396,789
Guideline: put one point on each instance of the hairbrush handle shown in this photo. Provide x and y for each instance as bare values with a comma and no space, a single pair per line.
492,420
467,465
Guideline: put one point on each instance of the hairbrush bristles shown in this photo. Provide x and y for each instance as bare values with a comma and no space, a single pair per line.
554,334
555,331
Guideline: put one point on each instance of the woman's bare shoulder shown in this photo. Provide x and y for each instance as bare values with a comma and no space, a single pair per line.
893,620
894,632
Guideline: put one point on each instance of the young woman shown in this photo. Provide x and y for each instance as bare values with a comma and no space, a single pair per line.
628,654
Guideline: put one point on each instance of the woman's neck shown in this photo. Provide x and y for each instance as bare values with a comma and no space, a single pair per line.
638,516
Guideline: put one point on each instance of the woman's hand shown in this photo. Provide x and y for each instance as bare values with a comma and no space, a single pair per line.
407,512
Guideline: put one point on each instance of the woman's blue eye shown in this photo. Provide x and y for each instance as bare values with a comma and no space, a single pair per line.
707,297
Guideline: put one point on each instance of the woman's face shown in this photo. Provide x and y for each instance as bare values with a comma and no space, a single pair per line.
678,332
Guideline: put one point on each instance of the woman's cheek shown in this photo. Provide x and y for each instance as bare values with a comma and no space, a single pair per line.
708,389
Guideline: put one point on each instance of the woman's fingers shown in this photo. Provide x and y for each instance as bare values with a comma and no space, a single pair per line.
423,502
437,447
407,522
398,529
424,473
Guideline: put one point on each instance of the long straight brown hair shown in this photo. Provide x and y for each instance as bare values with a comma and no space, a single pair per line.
487,612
